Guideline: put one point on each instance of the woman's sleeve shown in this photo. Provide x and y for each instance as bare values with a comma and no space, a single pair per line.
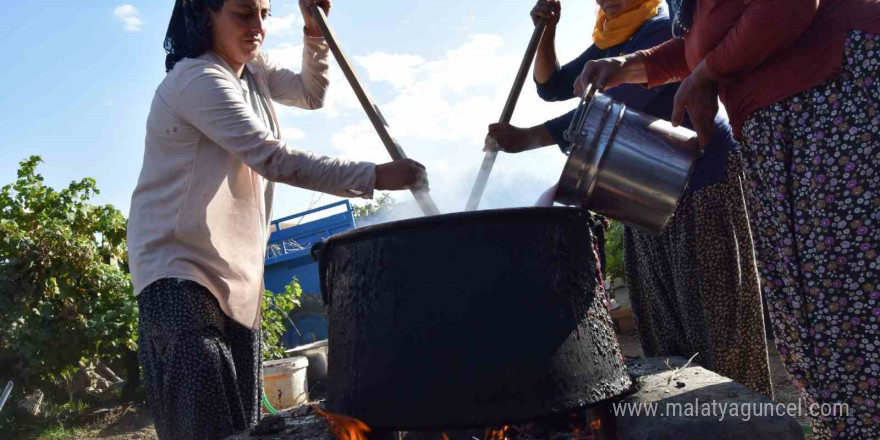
557,127
633,95
765,27
214,105
560,86
665,63
307,88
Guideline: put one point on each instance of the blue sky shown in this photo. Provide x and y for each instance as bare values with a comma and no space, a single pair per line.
82,74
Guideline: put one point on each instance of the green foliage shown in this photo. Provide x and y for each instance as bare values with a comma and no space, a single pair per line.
59,432
275,311
614,251
65,292
382,204
56,422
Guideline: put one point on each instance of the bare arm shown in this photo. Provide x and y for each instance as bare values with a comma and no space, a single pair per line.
546,60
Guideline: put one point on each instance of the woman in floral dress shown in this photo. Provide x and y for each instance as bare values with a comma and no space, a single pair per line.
798,79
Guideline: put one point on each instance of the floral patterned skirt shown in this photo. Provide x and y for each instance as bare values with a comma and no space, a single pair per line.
694,288
202,370
814,160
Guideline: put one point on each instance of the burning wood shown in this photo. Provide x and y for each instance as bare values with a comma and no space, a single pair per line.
594,429
344,427
586,425
496,434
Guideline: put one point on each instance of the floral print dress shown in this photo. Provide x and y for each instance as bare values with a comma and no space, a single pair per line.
814,159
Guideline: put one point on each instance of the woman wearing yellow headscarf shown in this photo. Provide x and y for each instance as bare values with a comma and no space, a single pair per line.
622,21
694,288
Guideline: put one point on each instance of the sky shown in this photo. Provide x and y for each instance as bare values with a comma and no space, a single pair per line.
81,75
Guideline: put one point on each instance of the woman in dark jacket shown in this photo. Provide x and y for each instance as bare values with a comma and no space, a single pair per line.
694,288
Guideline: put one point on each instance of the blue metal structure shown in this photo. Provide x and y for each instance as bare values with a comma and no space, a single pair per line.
288,257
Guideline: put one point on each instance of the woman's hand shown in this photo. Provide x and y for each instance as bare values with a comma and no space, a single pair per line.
698,95
510,139
611,72
549,10
401,174
312,29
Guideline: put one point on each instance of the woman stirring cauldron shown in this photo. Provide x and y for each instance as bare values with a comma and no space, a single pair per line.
694,288
200,213
799,78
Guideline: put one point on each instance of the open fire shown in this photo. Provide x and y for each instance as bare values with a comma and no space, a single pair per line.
344,427
496,434
576,426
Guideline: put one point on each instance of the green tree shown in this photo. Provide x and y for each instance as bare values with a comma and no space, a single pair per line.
276,310
614,251
65,292
383,204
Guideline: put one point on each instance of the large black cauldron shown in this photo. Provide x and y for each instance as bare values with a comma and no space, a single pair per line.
470,319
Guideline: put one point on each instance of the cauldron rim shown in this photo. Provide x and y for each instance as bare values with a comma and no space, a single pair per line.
379,231
527,213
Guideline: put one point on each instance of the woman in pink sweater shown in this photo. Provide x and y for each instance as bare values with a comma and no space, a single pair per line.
200,214
798,79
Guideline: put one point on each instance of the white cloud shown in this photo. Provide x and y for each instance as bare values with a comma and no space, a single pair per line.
360,141
340,99
467,23
287,55
397,69
439,110
128,15
450,99
280,26
292,133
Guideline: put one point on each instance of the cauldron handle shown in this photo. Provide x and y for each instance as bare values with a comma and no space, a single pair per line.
315,253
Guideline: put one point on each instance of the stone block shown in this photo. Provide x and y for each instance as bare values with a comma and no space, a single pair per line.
696,404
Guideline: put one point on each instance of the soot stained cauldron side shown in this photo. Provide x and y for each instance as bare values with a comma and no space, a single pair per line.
469,319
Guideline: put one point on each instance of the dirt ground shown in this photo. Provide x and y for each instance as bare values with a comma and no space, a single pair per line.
128,421
136,425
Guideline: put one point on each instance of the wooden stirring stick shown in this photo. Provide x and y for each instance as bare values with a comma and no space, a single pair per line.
423,197
506,115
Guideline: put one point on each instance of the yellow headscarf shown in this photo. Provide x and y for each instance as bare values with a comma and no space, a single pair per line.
610,32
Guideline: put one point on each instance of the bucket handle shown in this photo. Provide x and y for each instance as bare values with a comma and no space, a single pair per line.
315,253
580,114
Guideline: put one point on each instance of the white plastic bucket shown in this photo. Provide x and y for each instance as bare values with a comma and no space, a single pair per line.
284,382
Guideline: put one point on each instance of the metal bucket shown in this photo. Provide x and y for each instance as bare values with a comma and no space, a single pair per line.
626,165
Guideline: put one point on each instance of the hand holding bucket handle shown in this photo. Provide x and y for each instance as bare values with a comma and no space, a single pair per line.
580,113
